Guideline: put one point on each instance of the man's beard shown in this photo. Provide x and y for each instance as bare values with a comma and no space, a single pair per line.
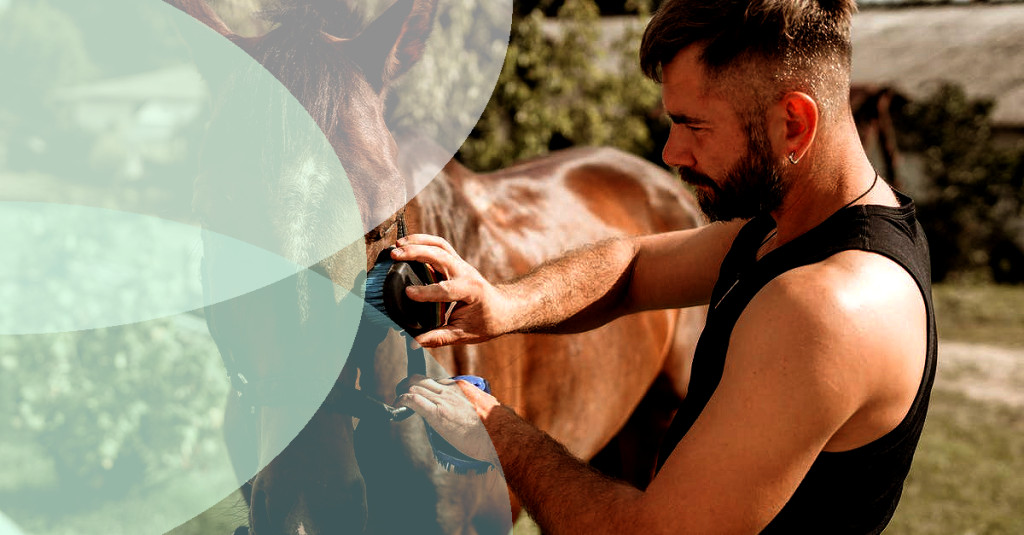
752,187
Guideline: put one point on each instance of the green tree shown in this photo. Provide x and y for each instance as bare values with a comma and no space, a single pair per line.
974,197
442,95
562,86
607,7
109,405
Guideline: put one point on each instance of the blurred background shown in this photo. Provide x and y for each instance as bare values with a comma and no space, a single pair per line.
938,96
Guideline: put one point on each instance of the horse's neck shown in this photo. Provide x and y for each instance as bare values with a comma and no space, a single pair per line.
442,209
439,203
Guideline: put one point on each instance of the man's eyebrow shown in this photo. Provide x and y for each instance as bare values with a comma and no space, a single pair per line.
682,118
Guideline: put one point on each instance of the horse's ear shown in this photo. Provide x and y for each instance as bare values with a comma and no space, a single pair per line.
394,42
202,12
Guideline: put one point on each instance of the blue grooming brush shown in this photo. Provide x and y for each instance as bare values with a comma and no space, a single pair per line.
447,455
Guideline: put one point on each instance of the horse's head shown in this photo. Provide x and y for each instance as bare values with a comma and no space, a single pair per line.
270,181
267,178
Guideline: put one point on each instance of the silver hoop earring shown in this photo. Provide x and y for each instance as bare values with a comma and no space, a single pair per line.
792,158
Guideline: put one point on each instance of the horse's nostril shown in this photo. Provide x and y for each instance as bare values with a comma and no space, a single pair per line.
259,513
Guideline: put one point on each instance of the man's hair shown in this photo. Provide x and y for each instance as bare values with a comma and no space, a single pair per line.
796,44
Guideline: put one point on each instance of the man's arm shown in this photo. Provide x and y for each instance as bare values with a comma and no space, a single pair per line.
771,415
580,291
813,365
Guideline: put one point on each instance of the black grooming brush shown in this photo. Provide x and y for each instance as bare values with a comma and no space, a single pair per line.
385,291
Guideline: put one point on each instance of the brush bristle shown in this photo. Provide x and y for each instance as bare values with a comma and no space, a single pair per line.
452,459
374,294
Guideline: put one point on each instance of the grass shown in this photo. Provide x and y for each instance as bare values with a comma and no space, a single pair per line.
966,477
980,313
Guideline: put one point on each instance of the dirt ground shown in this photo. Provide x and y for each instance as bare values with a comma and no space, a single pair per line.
983,372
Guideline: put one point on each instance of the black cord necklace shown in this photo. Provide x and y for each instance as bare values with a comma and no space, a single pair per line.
845,206
862,195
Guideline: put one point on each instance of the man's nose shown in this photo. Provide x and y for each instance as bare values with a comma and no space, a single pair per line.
678,151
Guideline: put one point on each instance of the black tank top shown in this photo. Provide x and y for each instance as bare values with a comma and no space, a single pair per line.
854,491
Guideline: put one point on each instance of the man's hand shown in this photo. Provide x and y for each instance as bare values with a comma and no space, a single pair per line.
481,310
455,409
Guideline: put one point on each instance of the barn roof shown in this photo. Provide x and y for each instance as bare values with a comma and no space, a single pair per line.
979,47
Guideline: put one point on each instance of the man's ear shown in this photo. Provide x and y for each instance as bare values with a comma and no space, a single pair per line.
795,125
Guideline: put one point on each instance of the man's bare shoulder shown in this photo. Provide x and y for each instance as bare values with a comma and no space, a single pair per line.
819,360
846,285
857,327
851,292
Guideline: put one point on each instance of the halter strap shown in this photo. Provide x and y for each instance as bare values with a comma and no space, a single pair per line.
401,224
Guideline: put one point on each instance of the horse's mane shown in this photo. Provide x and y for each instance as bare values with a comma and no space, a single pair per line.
266,148
339,18
310,67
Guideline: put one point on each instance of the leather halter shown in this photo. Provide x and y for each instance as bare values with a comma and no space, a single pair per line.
269,392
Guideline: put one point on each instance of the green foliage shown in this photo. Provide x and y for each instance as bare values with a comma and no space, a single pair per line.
561,86
242,16
975,186
607,7
106,405
109,405
441,97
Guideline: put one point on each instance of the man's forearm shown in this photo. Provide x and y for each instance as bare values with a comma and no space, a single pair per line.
561,493
577,292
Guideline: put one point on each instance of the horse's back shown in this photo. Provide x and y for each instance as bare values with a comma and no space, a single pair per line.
545,206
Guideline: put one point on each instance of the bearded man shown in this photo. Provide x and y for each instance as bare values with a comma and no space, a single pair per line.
810,382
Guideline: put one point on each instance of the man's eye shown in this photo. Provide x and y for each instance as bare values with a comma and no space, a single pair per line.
693,128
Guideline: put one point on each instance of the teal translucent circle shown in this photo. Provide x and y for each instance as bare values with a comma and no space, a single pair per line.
112,391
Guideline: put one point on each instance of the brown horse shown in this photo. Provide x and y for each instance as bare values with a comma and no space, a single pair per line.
872,107
614,388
